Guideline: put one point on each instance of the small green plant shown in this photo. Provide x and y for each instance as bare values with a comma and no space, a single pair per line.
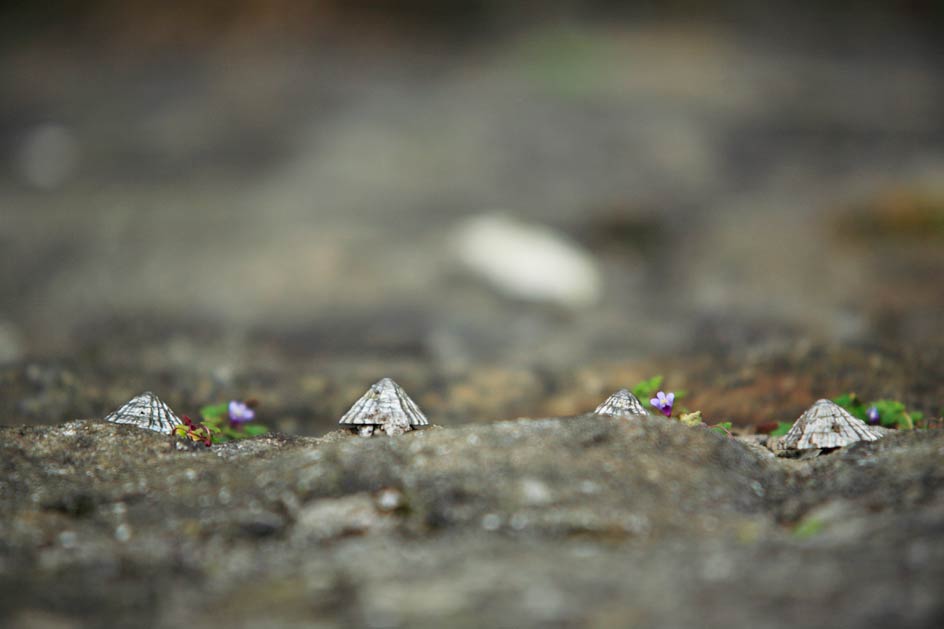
894,413
889,413
781,429
664,402
647,388
222,423
198,433
233,420
658,399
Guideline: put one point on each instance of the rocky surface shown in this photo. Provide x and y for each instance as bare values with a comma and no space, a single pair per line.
307,395
584,521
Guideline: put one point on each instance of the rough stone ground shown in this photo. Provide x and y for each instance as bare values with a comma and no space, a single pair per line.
582,521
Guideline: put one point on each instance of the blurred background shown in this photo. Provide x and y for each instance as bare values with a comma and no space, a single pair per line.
510,208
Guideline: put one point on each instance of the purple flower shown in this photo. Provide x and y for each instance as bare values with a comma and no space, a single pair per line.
874,415
663,402
240,412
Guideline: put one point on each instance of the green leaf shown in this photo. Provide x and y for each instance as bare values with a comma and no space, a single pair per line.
723,427
781,429
892,413
808,527
647,388
229,432
844,400
214,411
905,423
852,403
253,430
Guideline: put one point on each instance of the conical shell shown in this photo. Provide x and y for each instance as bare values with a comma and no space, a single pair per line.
826,425
621,404
385,404
146,411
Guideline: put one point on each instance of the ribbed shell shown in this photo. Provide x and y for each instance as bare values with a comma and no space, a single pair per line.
826,425
621,404
146,411
385,403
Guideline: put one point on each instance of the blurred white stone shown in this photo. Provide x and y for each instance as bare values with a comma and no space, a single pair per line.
528,262
48,156
534,492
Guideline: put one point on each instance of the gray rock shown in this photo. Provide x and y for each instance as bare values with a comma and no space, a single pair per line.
577,521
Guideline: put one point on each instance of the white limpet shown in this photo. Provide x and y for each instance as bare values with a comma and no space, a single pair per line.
826,425
146,411
385,407
621,404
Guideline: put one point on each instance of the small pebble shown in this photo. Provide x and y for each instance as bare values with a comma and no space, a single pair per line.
491,521
123,533
389,500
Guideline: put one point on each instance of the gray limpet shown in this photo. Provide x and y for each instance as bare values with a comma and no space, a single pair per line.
387,407
826,425
621,404
146,411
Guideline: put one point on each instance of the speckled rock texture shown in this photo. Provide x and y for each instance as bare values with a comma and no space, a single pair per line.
586,521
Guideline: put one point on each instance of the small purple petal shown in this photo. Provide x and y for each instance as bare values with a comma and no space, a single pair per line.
663,402
240,413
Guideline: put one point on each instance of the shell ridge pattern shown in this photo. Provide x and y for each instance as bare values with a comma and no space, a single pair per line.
385,404
364,409
145,411
826,425
621,404
414,415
